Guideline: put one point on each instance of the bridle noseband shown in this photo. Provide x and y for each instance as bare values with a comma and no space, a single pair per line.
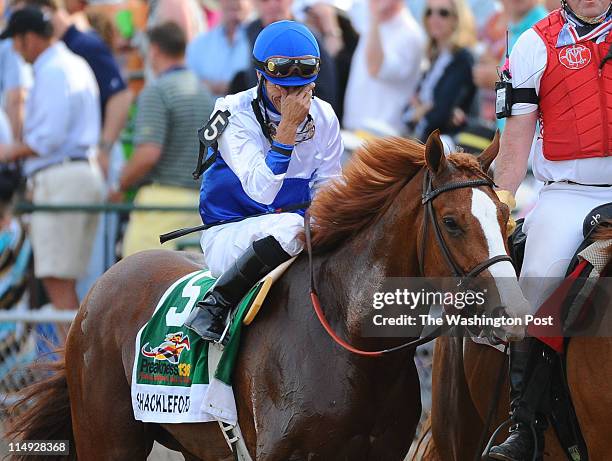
430,216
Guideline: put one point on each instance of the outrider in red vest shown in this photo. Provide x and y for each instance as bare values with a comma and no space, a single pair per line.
575,95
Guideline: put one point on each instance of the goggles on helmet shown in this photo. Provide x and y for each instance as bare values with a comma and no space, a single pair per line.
282,66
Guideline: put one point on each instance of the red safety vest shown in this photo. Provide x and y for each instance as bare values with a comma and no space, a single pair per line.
575,96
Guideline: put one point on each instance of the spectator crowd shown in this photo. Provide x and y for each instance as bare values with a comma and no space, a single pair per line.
101,101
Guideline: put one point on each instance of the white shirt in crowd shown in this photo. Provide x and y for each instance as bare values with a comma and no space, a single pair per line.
374,101
63,109
527,65
6,135
14,72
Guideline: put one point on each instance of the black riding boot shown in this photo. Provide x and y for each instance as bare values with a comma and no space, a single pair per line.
208,318
530,373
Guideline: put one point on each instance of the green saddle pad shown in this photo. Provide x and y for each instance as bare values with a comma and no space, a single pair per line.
172,379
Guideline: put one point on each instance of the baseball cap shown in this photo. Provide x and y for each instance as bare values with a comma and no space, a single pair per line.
28,19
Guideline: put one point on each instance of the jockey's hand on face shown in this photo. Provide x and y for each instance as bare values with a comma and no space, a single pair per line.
295,103
294,107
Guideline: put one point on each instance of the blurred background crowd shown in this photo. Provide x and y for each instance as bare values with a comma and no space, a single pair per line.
109,94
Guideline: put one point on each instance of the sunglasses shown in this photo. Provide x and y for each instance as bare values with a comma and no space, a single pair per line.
442,12
281,66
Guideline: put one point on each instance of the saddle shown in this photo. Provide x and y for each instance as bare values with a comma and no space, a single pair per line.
600,216
266,284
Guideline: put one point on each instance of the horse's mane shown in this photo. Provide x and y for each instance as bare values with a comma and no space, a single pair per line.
370,181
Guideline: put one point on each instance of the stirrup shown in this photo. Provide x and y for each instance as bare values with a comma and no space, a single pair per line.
506,423
224,338
485,453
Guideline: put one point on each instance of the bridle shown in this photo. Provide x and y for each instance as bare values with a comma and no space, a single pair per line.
430,216
427,197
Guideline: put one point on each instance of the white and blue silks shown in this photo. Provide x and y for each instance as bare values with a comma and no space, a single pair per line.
250,177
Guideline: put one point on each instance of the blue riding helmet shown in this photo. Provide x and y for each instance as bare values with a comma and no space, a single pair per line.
290,40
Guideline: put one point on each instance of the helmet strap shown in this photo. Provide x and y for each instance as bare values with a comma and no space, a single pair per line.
257,104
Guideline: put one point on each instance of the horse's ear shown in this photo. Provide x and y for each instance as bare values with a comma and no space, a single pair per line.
488,155
434,153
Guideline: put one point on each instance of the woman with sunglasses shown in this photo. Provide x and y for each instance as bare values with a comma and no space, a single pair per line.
280,144
446,90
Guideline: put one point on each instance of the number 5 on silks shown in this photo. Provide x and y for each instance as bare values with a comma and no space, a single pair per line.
208,136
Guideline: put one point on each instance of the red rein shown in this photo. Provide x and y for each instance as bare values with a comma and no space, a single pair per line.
317,308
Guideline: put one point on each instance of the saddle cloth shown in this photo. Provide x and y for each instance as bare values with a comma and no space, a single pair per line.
571,302
179,377
176,376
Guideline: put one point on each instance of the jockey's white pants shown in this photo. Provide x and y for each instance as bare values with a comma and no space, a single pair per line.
554,232
223,244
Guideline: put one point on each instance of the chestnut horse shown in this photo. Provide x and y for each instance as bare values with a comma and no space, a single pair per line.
464,382
299,396
589,374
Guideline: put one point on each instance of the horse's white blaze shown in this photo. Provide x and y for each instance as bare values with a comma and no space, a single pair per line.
485,211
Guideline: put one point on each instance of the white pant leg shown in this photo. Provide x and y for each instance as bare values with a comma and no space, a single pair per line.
222,245
554,232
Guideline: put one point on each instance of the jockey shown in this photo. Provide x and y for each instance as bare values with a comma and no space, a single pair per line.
279,146
563,69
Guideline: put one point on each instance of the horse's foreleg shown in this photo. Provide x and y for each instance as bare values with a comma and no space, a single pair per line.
455,423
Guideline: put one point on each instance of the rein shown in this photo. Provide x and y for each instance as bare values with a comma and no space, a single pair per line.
427,198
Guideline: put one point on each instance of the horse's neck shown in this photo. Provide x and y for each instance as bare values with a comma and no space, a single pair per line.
349,277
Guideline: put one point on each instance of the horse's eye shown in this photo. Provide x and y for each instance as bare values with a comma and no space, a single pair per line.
451,225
